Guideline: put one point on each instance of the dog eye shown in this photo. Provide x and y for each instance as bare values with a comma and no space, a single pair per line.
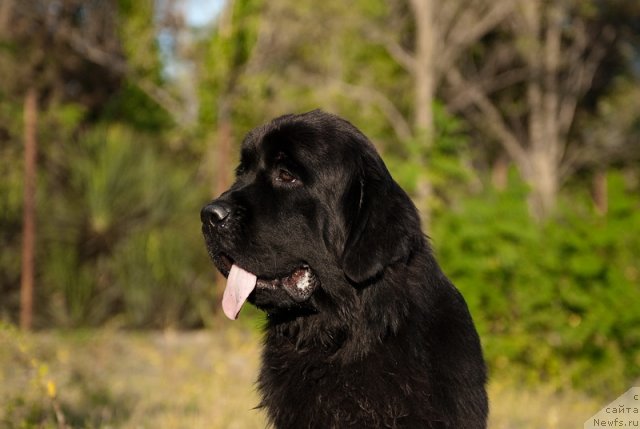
285,177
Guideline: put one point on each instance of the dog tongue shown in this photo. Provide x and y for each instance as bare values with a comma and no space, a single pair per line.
240,283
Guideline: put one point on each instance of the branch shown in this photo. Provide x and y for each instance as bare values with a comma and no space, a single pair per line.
445,14
111,61
93,53
492,117
395,50
488,84
115,63
394,116
570,160
5,16
470,27
118,65
582,74
367,94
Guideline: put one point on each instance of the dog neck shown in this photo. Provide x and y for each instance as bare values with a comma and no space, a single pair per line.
349,327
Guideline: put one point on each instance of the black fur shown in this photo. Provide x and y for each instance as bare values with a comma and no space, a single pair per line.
385,340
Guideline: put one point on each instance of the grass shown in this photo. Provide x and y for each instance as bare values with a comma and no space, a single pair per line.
115,379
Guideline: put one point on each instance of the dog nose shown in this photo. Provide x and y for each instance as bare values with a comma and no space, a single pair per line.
215,213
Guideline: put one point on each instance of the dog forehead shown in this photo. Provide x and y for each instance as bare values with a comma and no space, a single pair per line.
297,141
318,140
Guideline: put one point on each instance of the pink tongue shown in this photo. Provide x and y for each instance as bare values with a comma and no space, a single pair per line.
240,283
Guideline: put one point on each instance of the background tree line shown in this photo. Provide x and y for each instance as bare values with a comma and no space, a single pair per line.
513,123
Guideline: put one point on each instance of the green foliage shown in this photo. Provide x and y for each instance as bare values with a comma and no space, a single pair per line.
113,189
305,67
139,38
37,404
558,302
11,188
441,163
225,54
114,242
132,106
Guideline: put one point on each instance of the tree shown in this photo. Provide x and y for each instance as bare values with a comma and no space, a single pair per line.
444,30
407,47
30,109
526,94
35,58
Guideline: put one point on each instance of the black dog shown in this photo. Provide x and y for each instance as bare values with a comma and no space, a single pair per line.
363,330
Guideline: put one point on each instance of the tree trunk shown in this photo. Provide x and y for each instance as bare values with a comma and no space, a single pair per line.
500,172
543,59
542,176
5,15
425,68
424,81
599,192
29,208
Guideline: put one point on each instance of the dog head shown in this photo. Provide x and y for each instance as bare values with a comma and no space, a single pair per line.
313,213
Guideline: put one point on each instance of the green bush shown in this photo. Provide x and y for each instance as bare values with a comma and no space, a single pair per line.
121,241
557,302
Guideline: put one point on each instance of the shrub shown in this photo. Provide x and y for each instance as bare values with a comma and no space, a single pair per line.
557,302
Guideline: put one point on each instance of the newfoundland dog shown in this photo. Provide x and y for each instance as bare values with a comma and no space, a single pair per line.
363,328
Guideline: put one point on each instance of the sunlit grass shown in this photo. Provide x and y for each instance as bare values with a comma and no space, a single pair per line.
131,380
205,379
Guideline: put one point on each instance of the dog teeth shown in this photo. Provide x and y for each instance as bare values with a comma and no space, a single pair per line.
304,282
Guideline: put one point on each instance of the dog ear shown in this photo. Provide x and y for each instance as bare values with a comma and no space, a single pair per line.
382,223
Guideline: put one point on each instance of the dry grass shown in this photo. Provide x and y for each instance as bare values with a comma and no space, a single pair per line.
111,379
538,408
131,380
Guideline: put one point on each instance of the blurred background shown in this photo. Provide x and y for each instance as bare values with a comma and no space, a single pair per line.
514,125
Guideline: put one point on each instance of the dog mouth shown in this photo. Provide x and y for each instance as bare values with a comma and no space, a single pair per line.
299,283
